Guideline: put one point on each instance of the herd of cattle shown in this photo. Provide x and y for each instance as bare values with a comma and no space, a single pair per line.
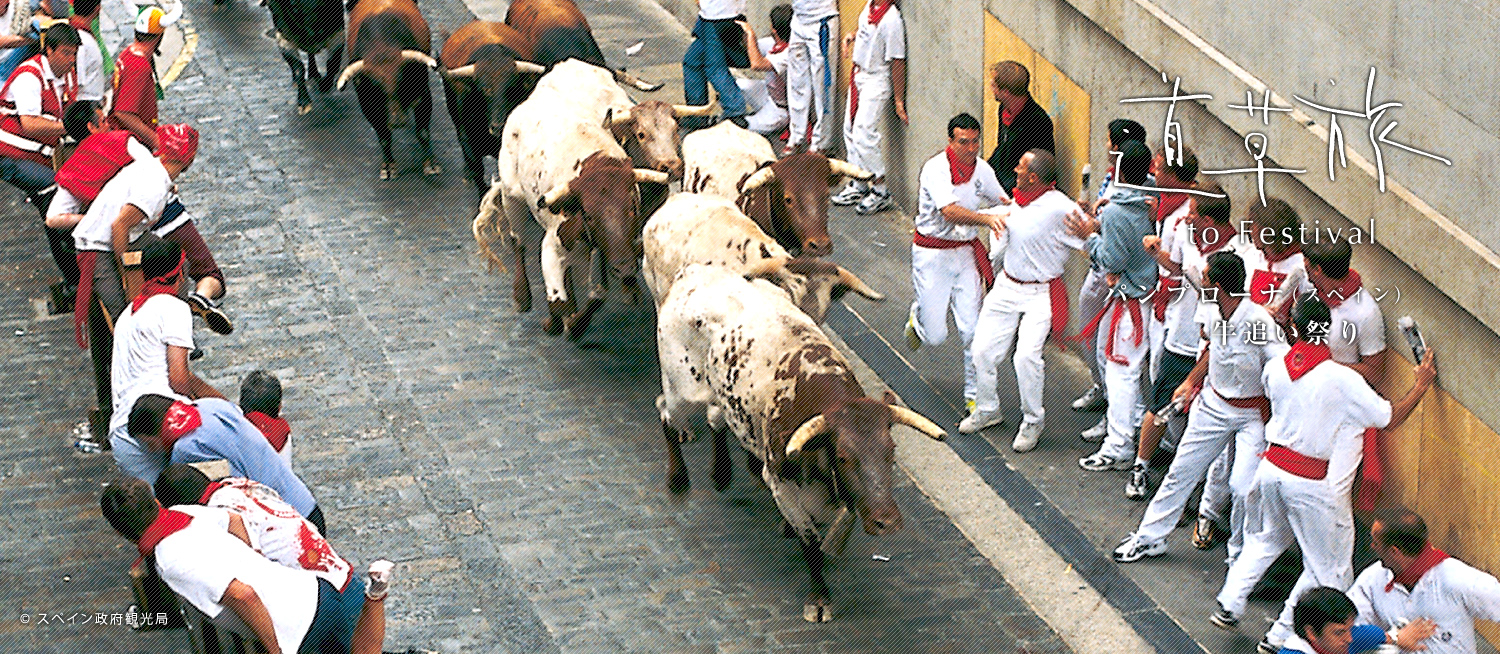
731,262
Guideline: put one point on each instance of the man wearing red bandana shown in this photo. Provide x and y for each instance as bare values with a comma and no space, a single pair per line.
260,399
949,265
877,49
204,555
1277,274
1029,300
1319,412
1412,581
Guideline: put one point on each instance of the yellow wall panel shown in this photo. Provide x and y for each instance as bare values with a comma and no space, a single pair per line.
1065,101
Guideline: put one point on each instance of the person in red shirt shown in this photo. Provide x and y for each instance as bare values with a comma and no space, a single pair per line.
135,85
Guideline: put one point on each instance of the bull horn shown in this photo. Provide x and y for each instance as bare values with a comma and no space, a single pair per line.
636,82
692,111
903,416
552,196
349,72
767,267
757,179
461,71
858,285
531,68
644,175
850,170
420,57
614,119
814,426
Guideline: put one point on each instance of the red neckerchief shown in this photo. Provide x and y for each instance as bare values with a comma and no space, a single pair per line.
778,48
877,12
1008,117
164,285
213,487
1200,239
276,430
1427,560
1303,357
1168,203
180,421
166,524
960,172
1295,248
1345,290
1024,197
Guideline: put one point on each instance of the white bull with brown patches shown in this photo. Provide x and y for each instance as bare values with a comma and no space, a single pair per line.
697,228
559,159
737,356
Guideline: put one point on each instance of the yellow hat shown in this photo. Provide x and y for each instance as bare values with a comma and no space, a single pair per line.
150,21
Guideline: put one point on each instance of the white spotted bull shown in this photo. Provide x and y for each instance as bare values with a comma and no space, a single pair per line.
737,356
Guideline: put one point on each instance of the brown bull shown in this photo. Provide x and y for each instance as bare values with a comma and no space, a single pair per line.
388,43
788,198
487,71
558,31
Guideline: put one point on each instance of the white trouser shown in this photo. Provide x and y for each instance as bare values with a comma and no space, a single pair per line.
943,278
765,118
1091,297
1019,313
1217,503
805,88
862,133
1213,427
1286,509
1122,378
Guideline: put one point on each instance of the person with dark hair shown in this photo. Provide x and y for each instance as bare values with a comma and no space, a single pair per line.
135,85
90,64
275,528
950,266
1319,412
877,49
203,554
1115,243
1029,300
1024,124
260,399
33,101
1413,580
716,47
1094,290
766,98
1228,405
211,429
1277,275
1358,336
149,353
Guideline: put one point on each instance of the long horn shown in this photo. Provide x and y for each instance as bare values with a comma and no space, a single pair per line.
850,170
461,71
643,175
767,267
551,197
692,111
529,67
350,71
858,285
636,82
757,179
420,57
814,426
619,119
904,416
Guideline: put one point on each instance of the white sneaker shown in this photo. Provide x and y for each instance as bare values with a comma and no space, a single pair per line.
1096,433
1135,548
1098,462
1135,489
978,421
1092,400
874,202
851,194
380,580
1027,437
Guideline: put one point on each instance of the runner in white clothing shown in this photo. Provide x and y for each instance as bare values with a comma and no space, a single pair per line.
1319,411
1028,302
878,51
810,73
1412,580
949,264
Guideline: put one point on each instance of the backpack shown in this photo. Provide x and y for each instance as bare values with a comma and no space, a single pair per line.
94,163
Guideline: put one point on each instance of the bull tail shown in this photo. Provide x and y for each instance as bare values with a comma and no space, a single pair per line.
486,229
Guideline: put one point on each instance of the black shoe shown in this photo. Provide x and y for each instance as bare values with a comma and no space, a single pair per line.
740,122
197,353
63,298
211,314
1225,620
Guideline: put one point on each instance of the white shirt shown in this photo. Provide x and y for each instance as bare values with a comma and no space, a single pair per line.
201,560
1183,331
720,9
65,202
1038,243
278,531
1357,328
1453,594
144,184
937,191
1289,276
876,45
139,364
90,68
26,91
1239,348
810,10
1323,415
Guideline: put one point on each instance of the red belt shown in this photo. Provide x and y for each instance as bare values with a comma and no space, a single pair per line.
981,255
1058,295
1165,287
1296,463
1119,304
86,260
1258,402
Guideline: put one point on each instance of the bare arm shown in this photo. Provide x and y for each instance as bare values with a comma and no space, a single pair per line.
138,128
757,60
119,238
959,215
237,528
183,380
64,220
42,128
246,604
1163,258
898,88
1194,379
1425,374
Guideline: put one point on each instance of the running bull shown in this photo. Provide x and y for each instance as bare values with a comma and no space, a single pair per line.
388,54
309,26
487,71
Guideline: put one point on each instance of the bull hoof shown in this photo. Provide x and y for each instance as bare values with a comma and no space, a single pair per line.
388,171
817,609
678,483
430,168
722,479
552,325
304,109
523,302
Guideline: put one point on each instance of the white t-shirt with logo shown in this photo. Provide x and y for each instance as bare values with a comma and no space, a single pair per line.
144,184
139,366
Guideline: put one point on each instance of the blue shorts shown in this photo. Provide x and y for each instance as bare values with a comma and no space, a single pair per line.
332,628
